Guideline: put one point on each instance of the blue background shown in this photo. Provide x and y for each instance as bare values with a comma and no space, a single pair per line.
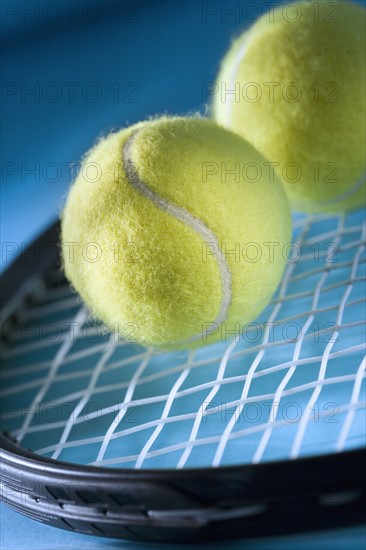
124,61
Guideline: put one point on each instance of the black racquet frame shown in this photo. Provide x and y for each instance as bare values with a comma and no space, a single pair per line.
187,505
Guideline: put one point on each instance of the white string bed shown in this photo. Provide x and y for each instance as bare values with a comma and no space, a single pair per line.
293,385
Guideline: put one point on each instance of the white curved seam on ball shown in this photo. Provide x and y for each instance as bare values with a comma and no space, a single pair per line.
351,191
192,221
232,79
355,187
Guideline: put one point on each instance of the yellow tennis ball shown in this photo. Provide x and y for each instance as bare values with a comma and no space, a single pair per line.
174,232
293,85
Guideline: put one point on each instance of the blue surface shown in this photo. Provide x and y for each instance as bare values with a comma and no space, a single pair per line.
158,55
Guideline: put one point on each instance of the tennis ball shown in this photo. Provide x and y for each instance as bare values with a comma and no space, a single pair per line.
293,85
173,232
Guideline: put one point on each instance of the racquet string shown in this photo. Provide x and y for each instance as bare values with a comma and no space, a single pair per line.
292,386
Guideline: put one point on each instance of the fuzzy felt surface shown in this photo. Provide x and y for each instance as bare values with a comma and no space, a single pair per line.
155,212
300,77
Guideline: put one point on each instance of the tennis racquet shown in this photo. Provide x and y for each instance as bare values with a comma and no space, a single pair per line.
260,434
